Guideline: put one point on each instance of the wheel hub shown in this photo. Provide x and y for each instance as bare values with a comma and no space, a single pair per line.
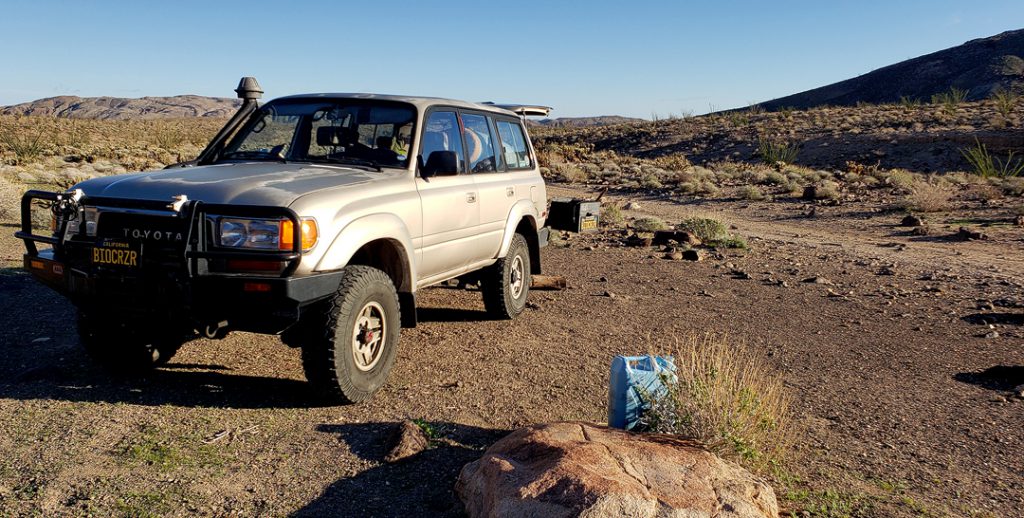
517,277
368,336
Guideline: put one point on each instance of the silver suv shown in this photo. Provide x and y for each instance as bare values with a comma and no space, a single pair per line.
316,217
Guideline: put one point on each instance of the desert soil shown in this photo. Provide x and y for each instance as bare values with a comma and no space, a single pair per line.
903,363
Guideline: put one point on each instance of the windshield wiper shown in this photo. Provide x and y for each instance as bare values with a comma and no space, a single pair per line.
347,160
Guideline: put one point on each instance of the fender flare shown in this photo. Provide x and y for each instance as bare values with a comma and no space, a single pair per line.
522,209
364,230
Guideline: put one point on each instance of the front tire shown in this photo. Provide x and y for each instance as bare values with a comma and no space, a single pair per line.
126,347
349,343
506,283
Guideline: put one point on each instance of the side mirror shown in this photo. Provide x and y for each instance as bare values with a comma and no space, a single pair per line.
441,163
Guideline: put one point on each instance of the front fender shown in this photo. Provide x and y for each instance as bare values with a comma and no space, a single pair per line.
522,209
364,230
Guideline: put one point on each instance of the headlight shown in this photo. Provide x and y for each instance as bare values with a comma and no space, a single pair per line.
264,234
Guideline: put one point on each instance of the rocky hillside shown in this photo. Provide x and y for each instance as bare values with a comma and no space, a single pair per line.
922,138
176,107
978,67
579,122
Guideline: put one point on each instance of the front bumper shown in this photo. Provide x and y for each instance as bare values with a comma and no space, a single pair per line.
182,281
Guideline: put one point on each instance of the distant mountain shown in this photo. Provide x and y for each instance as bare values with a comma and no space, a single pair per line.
978,67
579,122
178,106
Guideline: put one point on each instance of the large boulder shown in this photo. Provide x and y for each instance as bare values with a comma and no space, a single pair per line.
578,469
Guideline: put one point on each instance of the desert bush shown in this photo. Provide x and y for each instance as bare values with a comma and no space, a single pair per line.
827,190
1005,101
752,193
727,397
707,189
901,178
649,224
1013,186
950,100
27,143
986,165
775,178
928,197
909,103
773,152
738,119
650,181
673,162
983,192
706,228
571,173
611,214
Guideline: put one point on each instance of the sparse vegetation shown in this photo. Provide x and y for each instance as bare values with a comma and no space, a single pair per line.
1005,100
929,197
909,103
705,228
27,145
773,151
611,214
985,165
649,224
752,193
727,397
950,99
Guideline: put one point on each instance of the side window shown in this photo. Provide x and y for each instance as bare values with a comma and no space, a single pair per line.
479,143
441,133
513,145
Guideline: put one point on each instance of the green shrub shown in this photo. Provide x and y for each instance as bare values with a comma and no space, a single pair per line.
26,144
950,100
649,224
611,214
928,197
1005,101
909,103
650,181
727,397
706,228
752,193
985,165
773,152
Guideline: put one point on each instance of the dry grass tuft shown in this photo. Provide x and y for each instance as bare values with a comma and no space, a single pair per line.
929,197
729,398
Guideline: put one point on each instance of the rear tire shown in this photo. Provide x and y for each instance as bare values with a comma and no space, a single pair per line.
506,283
126,347
349,342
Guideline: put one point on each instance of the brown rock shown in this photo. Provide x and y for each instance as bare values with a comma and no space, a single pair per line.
574,469
966,234
810,193
674,256
405,441
692,255
1019,221
662,237
638,241
912,221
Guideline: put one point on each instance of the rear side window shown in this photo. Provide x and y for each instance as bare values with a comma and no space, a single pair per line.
479,143
513,145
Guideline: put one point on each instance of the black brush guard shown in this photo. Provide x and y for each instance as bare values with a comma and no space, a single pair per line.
189,288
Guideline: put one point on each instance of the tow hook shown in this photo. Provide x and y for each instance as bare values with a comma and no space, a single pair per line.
216,330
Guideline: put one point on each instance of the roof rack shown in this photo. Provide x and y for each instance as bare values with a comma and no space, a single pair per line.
525,110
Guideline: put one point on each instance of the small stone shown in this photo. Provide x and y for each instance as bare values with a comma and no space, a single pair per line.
608,294
706,293
817,280
632,206
602,279
810,193
1019,221
912,221
674,256
405,441
886,270
998,399
692,255
740,274
992,334
923,230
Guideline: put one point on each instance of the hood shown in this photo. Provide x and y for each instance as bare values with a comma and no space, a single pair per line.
260,183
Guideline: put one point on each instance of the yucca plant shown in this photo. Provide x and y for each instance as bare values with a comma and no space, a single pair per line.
773,152
1005,101
985,165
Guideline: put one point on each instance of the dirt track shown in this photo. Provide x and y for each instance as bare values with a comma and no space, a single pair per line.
898,420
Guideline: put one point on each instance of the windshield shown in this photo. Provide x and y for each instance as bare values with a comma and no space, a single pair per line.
336,131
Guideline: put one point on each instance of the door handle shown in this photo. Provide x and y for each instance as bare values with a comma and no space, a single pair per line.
470,197
510,191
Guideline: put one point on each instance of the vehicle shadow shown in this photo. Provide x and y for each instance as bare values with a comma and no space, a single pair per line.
421,485
999,377
451,315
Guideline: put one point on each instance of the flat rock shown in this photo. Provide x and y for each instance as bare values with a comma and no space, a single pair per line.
579,469
912,221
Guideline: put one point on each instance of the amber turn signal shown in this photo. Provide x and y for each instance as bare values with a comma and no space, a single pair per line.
310,234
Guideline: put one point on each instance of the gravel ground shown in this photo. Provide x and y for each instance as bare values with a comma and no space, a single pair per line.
904,395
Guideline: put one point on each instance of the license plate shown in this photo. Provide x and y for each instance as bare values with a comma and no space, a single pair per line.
588,223
115,252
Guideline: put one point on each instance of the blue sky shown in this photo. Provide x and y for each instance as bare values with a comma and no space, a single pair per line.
584,58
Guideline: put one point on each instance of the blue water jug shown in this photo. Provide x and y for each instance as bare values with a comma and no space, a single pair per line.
632,376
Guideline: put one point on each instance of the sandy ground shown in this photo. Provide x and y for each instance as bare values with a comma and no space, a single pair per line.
904,395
